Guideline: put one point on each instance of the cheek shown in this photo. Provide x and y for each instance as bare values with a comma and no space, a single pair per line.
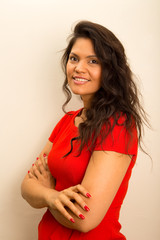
69,70
98,77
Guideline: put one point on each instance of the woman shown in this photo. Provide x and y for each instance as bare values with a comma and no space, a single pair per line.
82,173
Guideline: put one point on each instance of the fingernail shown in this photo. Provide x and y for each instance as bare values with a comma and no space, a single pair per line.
32,164
28,171
81,216
88,195
44,155
72,220
37,158
86,208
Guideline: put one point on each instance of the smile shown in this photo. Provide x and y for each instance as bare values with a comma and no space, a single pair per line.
80,79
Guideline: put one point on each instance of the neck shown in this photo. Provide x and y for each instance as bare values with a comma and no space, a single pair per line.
86,101
83,114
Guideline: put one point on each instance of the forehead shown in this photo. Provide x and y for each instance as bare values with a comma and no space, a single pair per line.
83,45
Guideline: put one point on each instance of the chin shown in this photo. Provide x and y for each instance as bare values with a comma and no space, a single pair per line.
77,91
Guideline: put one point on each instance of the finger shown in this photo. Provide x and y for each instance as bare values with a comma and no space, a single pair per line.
43,158
31,169
82,190
59,206
39,163
36,163
46,163
36,171
31,175
77,197
42,169
63,198
80,201
74,209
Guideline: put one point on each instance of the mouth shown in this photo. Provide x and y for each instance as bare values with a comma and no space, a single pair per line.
80,80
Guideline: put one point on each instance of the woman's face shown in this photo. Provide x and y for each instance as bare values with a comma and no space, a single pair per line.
83,69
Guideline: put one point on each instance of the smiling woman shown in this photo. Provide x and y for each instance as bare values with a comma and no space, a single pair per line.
82,174
84,70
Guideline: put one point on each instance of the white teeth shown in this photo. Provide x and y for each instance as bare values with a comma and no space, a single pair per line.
81,79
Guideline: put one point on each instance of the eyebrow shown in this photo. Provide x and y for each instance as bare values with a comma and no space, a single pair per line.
90,56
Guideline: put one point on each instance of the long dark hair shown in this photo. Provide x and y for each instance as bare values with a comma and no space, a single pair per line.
118,93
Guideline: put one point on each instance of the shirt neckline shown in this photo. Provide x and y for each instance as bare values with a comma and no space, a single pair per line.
75,115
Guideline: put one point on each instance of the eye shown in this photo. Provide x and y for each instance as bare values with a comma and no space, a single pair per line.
73,59
93,61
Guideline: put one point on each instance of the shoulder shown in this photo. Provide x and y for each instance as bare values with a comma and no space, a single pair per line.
70,114
116,136
66,118
119,123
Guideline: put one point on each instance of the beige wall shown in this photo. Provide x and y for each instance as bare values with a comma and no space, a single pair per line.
31,34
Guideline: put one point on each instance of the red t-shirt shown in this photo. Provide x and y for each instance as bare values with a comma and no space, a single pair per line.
70,170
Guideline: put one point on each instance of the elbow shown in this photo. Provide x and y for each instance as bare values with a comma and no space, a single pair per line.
85,230
23,194
86,227
89,223
22,191
26,196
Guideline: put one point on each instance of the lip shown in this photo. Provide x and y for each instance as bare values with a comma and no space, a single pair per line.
80,77
77,80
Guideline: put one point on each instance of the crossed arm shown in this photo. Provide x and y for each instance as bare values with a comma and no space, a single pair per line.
104,174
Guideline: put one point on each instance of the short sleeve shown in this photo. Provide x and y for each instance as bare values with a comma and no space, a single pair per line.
119,140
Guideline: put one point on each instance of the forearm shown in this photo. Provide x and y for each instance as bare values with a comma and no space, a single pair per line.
35,193
65,222
38,190
79,224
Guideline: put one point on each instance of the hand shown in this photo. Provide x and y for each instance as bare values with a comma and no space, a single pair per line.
66,199
41,173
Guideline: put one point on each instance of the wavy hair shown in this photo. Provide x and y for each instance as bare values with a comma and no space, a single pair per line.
118,93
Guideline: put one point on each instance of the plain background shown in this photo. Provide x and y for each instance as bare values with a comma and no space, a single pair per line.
32,35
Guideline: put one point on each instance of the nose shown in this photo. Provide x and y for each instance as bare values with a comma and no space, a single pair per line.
80,67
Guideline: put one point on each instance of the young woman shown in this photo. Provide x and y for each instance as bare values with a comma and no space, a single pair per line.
82,174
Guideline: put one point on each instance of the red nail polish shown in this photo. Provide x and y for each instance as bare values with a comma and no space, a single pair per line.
88,195
86,208
44,155
32,164
72,220
28,171
37,158
81,216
